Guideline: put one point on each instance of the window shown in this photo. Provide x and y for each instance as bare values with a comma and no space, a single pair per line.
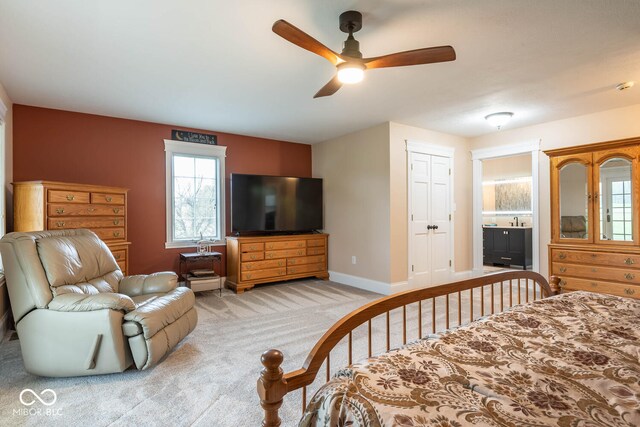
195,193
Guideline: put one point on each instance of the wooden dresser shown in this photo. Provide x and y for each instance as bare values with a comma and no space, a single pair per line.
595,204
255,260
46,205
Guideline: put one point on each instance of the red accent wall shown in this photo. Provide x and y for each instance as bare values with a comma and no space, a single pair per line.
64,146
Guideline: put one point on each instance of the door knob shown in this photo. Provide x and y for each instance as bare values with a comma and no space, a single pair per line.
435,227
429,227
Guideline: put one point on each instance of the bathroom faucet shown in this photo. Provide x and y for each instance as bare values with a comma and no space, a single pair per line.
516,218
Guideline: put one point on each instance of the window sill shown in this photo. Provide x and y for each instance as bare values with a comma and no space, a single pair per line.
191,244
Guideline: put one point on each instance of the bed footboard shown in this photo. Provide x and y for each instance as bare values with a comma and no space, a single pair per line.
498,291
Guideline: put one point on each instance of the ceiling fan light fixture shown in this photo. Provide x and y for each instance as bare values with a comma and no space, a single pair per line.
499,119
350,73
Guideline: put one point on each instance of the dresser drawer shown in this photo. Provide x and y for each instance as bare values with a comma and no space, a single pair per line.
285,245
251,247
305,260
261,274
261,265
285,253
315,243
316,251
61,196
305,268
252,256
107,198
123,266
120,255
574,284
66,223
612,274
600,258
68,209
109,233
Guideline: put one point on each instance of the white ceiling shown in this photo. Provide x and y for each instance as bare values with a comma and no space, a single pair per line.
215,64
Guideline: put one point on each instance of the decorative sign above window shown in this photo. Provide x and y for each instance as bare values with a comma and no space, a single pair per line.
200,138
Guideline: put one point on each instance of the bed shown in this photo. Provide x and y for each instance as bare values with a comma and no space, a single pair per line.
536,359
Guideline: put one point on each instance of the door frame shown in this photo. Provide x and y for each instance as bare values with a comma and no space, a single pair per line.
477,156
421,147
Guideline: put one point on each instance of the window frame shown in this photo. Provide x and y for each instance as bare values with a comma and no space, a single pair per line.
218,152
3,175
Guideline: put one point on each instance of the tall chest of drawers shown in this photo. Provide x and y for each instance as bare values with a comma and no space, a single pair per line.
47,205
255,260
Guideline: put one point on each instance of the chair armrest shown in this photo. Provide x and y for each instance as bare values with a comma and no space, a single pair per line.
143,284
101,301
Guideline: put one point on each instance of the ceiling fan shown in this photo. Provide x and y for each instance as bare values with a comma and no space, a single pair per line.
350,63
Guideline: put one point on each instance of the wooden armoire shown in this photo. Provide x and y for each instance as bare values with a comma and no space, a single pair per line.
595,206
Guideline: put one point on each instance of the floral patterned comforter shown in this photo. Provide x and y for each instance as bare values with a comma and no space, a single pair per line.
569,360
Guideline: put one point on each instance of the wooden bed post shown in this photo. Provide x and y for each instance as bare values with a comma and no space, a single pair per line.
554,284
271,387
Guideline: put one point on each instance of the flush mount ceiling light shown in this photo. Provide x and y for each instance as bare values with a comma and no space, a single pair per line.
499,119
625,85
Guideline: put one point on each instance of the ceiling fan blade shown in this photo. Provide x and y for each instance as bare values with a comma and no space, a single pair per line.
304,40
330,88
427,55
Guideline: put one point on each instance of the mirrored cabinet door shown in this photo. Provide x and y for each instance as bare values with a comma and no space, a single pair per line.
573,207
615,196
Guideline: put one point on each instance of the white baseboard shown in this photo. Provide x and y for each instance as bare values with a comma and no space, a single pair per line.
461,275
362,283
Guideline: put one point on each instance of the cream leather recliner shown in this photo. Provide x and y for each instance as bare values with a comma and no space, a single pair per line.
77,315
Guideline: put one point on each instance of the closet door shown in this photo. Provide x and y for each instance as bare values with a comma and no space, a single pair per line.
430,221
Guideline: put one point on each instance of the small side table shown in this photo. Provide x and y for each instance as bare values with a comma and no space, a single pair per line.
191,257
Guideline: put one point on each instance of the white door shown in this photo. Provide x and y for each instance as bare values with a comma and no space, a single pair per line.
430,220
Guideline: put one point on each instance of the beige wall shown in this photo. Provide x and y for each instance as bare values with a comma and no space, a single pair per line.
399,133
355,170
506,167
603,126
8,170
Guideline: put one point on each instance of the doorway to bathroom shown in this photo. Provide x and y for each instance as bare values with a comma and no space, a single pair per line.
505,208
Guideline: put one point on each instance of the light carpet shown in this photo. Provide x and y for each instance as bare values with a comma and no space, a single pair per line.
210,377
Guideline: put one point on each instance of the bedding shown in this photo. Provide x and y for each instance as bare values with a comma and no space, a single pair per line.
568,360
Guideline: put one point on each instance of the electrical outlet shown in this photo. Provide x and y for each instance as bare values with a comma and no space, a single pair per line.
353,259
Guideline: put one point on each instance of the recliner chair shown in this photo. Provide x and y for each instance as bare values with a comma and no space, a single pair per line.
77,315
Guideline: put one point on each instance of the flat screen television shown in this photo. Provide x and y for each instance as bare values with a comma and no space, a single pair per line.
275,204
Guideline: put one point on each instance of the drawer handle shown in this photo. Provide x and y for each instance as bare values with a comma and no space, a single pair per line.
283,272
116,210
629,276
594,284
269,246
300,253
280,263
91,209
60,211
60,223
116,221
505,258
116,234
628,261
562,283
248,275
117,256
108,198
629,291
252,256
269,255
563,269
562,255
70,197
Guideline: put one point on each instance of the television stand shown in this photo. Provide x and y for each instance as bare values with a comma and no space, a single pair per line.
253,260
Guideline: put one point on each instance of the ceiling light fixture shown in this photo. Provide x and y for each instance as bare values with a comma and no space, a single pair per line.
499,119
350,72
625,85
